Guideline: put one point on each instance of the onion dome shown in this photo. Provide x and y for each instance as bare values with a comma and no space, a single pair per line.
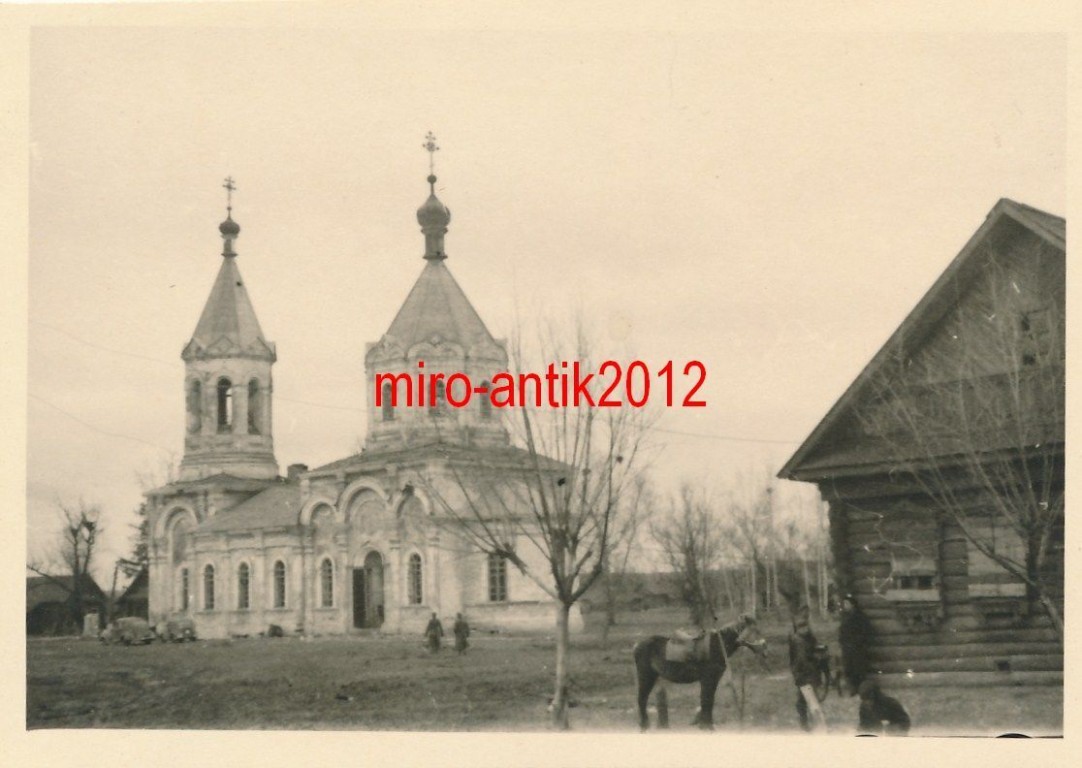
229,228
433,217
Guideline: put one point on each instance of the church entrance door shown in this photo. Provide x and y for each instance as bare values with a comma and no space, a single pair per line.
368,611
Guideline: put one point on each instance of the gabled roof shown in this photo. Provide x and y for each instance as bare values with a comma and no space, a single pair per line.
276,507
57,589
437,306
228,322
929,310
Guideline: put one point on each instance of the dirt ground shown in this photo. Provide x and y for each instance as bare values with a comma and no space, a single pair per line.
502,683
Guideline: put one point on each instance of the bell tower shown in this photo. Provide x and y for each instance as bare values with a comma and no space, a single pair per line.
227,378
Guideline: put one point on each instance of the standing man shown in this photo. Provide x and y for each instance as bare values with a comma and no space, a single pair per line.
462,634
803,663
854,634
433,633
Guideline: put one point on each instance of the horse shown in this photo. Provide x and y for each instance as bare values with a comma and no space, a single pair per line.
700,659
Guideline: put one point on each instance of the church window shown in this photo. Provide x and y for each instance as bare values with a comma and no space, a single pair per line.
326,584
254,407
184,591
225,405
208,588
179,543
385,404
486,404
243,591
279,584
497,579
195,407
416,595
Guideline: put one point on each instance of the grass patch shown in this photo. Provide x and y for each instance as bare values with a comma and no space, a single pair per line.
503,683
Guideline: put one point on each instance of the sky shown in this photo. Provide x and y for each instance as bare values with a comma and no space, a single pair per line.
770,204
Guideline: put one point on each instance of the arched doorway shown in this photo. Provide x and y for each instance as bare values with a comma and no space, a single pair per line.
368,610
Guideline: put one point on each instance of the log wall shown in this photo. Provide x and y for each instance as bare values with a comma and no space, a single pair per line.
939,634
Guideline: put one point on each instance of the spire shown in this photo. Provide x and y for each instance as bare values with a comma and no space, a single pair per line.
229,228
228,325
433,216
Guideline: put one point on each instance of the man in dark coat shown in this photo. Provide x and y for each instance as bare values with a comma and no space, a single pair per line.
804,664
433,634
880,713
462,633
854,635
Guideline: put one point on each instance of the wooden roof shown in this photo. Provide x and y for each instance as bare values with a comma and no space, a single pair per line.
929,311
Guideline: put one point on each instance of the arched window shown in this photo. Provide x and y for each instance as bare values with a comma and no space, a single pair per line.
225,405
416,590
255,407
208,588
184,589
195,407
441,397
497,579
486,404
243,590
386,404
326,584
179,539
279,584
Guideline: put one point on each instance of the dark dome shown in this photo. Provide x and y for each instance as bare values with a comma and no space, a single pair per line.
229,227
433,214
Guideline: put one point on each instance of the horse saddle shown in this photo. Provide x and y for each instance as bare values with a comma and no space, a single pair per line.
686,645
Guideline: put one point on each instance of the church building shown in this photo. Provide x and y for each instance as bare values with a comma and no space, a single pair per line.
357,544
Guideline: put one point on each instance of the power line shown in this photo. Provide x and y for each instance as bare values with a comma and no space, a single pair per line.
94,428
730,438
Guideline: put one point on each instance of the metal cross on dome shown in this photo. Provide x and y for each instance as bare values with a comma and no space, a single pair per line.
229,187
433,148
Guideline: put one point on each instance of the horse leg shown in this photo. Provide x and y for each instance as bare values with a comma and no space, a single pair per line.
707,689
662,705
647,677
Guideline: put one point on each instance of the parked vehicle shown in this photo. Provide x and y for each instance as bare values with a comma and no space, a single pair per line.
176,630
128,630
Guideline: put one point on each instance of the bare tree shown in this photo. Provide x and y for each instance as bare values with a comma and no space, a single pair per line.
974,419
747,524
72,554
692,543
624,533
559,494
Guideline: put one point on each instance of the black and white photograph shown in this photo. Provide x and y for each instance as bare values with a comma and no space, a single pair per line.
728,404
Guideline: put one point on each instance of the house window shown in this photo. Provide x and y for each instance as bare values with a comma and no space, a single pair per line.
416,590
497,579
326,584
913,576
225,405
279,584
208,588
243,591
386,404
195,407
184,589
987,577
254,407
